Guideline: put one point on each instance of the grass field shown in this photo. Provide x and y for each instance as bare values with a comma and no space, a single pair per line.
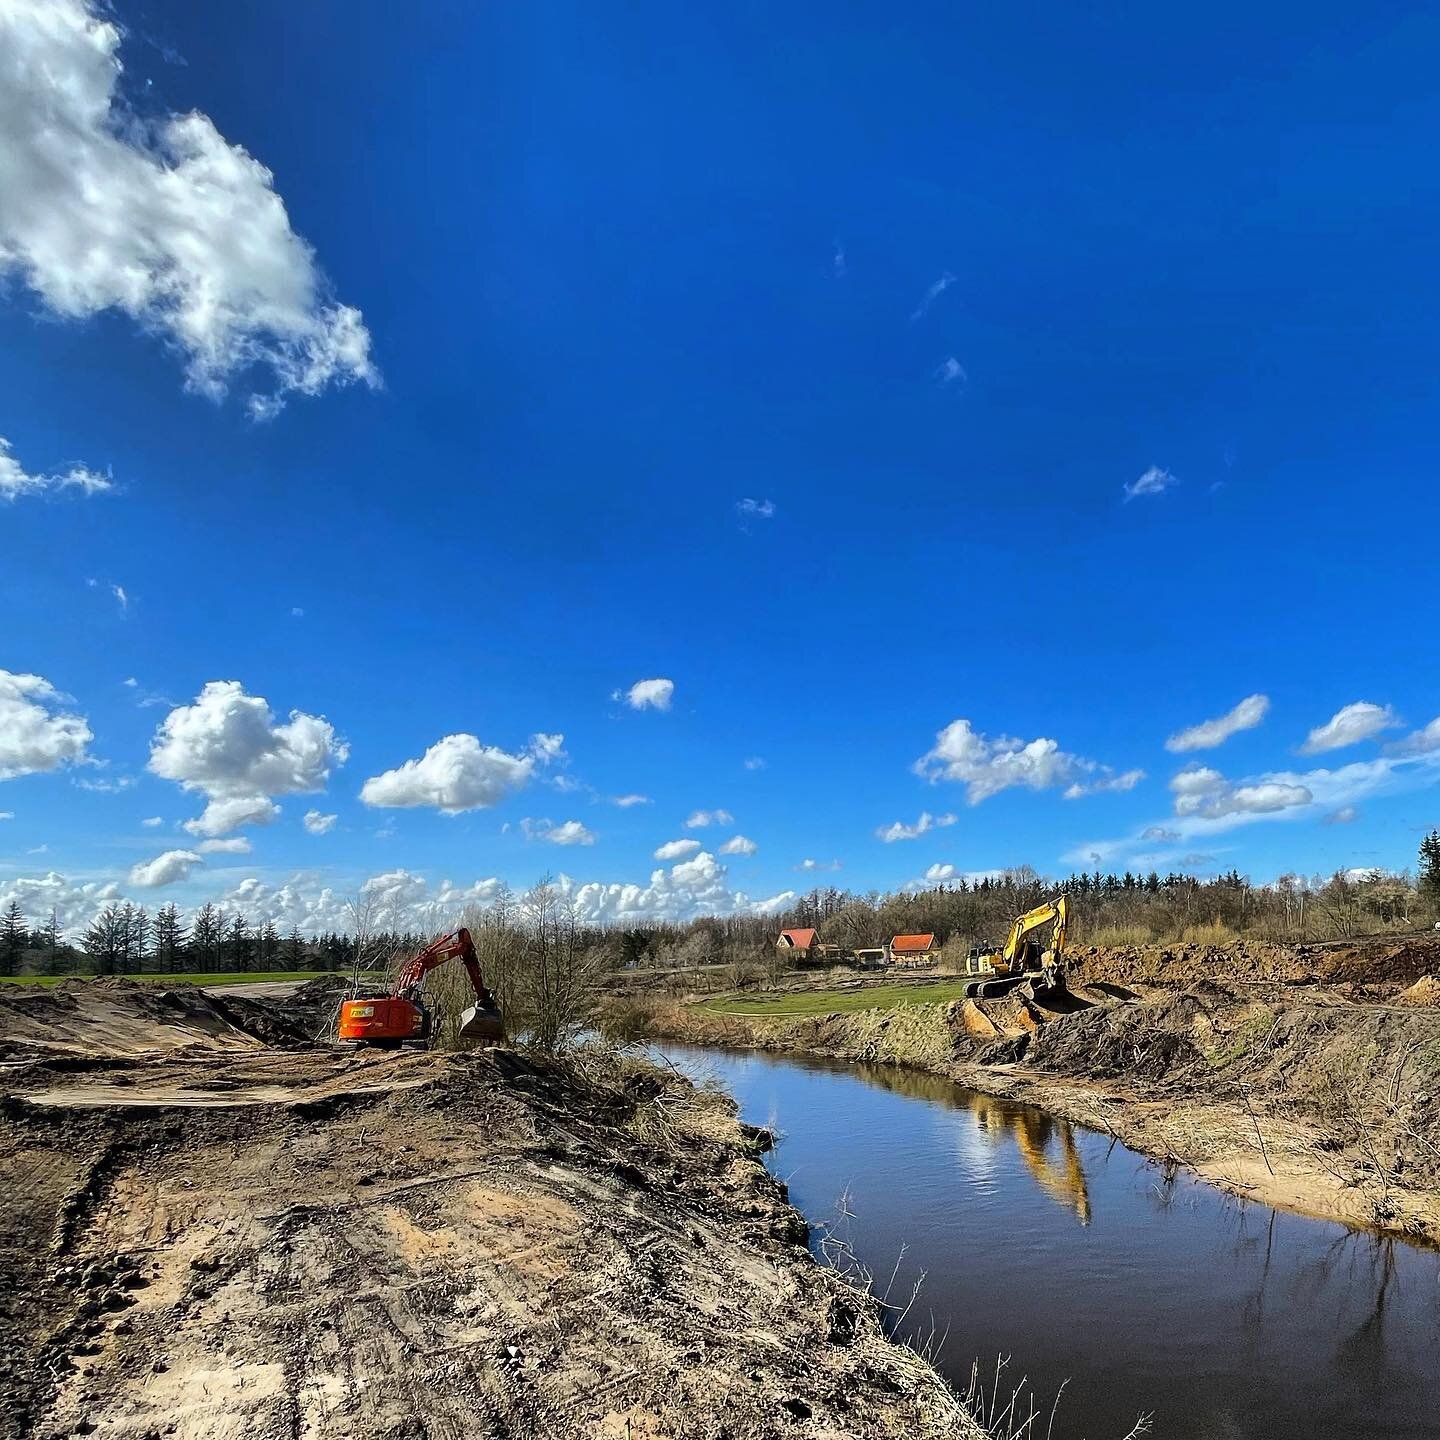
228,977
830,1002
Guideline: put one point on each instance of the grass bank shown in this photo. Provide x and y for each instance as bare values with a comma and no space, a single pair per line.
833,1002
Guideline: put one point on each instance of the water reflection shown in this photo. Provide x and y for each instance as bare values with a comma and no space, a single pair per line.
1034,1133
1223,1317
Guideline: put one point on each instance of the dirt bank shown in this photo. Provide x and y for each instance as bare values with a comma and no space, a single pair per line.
1296,1094
213,1237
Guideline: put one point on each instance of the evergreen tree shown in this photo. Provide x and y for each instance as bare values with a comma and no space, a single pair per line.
49,935
241,943
294,950
169,939
139,937
269,945
105,940
205,939
13,934
1429,878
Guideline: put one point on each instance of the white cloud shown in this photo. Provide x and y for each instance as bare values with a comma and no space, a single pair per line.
932,295
116,786
898,830
626,802
1159,835
810,864
648,695
15,482
74,904
699,886
118,591
319,824
227,746
36,734
1203,791
153,822
951,372
701,818
677,849
222,815
455,774
1154,481
7,814
986,767
1419,742
157,217
1348,726
755,509
1210,733
165,869
571,832
297,612
236,845
738,845
755,762
1345,815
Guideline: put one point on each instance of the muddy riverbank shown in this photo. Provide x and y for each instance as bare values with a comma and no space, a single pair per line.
210,1236
1299,1095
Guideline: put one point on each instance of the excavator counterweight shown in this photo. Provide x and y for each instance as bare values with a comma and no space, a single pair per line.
401,1015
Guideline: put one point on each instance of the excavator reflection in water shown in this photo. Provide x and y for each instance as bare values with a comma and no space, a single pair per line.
1034,1132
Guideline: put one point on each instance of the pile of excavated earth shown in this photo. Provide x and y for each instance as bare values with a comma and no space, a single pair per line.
1306,1076
216,1225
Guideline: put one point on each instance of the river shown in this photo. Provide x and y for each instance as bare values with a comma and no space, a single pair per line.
1090,1267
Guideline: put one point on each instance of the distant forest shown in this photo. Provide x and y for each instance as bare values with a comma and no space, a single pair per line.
1108,909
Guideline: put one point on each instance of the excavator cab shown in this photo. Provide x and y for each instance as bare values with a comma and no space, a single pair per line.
401,1016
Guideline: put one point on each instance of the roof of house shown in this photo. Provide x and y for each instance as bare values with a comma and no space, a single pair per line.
912,944
799,939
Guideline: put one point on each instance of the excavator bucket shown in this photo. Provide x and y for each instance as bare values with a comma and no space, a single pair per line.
482,1022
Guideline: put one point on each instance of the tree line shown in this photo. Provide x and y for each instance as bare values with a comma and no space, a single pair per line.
1108,909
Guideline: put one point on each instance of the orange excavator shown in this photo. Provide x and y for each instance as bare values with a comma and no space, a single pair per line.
400,1015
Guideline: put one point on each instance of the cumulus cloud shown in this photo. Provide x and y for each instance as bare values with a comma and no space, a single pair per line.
16,483
986,767
318,823
755,509
1203,791
898,830
701,818
157,218
235,845
152,822
1345,815
698,886
228,747
37,735
739,845
648,695
627,802
165,869
223,815
1348,726
570,832
1155,481
677,849
1210,733
457,774
812,864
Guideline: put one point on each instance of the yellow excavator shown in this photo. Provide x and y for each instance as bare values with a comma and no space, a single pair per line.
1022,960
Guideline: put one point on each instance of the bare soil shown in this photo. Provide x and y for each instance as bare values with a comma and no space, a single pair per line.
215,1228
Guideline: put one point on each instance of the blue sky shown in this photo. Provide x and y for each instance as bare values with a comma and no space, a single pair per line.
1079,371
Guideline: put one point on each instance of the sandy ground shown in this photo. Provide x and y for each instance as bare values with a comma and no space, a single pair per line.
209,1236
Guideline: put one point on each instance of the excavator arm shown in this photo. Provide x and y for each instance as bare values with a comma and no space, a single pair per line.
402,1016
1053,910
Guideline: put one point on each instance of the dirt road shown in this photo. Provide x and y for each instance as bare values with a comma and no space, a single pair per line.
211,1237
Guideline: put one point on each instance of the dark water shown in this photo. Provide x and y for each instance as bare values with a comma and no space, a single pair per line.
1077,1258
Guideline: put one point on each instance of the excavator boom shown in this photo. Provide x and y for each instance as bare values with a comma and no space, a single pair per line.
401,1015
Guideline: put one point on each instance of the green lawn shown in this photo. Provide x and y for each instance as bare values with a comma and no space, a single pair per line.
828,1002
229,977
